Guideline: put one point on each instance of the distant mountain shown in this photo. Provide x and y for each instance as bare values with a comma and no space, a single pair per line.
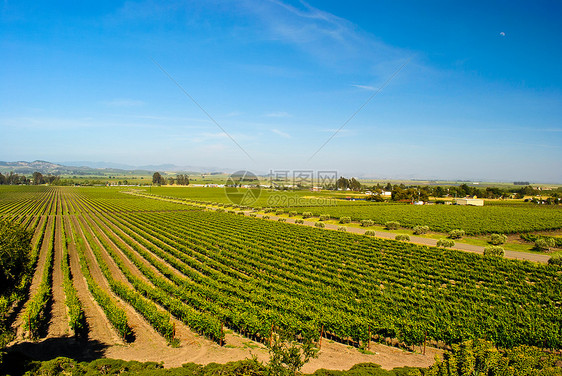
81,168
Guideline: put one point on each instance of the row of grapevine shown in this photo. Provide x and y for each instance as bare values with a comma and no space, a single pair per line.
159,320
37,308
76,316
116,316
531,321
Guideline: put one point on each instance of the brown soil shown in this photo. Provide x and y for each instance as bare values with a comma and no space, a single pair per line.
37,276
58,325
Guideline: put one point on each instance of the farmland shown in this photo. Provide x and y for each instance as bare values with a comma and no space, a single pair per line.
180,267
508,217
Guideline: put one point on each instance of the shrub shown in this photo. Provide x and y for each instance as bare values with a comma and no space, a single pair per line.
279,211
497,239
456,234
544,244
253,215
420,230
220,210
231,211
445,243
555,260
370,233
494,251
320,224
392,225
403,237
292,213
367,222
265,217
345,219
324,217
241,213
307,215
281,219
299,221
342,228
267,210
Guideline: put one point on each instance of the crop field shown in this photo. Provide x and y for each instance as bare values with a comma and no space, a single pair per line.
178,266
497,217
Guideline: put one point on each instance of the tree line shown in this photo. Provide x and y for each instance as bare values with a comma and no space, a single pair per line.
36,179
180,179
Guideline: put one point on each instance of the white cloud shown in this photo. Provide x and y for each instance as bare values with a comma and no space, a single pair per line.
327,37
365,87
281,133
502,34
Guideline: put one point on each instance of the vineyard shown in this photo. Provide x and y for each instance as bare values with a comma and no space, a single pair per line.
177,264
503,218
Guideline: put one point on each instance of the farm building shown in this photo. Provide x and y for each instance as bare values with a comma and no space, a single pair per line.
470,201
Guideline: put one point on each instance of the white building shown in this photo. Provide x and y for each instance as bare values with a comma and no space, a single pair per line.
470,201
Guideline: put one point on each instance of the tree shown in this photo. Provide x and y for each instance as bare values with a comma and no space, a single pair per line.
354,185
287,355
38,178
157,178
14,254
342,183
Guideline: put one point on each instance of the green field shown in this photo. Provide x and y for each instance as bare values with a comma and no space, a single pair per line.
495,217
252,275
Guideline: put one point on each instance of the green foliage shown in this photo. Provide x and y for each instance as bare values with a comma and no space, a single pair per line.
287,355
555,260
324,217
497,239
299,221
505,219
345,219
279,212
370,232
533,237
320,224
15,253
342,228
76,316
306,215
420,230
494,251
456,234
403,237
392,225
544,244
36,313
281,219
446,243
481,357
367,222
292,213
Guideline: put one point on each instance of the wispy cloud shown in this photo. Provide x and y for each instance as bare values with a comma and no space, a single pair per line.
365,87
281,133
278,114
329,38
124,103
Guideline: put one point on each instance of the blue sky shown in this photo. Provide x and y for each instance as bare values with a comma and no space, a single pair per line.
480,96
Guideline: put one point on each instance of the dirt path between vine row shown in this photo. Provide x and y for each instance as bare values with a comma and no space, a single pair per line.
58,325
37,277
99,327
